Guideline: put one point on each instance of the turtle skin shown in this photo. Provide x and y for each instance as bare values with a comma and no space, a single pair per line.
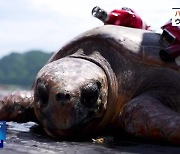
110,77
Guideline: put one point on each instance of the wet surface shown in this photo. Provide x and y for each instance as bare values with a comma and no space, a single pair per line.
21,140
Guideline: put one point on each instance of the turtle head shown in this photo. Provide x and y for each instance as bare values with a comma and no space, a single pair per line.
70,96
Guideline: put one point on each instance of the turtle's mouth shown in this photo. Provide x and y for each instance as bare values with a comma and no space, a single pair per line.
70,94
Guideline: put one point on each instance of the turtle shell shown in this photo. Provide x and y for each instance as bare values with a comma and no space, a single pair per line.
139,45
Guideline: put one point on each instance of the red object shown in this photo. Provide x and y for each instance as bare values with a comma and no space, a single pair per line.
174,31
126,17
170,53
171,37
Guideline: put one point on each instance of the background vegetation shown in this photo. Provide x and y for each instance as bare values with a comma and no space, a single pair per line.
21,69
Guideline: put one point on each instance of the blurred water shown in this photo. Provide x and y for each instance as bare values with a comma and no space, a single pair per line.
23,127
4,92
7,90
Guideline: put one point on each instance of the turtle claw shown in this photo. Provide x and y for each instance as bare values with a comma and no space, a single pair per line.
146,117
17,107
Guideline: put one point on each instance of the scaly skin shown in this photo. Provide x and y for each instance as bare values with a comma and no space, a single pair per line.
18,107
145,116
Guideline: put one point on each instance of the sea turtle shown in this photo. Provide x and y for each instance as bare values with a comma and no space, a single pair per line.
110,77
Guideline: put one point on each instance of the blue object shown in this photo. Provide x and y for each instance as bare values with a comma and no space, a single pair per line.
1,143
2,130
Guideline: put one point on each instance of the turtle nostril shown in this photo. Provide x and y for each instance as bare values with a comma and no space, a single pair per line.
62,96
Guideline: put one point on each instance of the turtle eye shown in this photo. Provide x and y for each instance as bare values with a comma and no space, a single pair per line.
90,93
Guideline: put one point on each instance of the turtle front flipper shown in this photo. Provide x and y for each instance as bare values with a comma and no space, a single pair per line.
17,107
147,117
